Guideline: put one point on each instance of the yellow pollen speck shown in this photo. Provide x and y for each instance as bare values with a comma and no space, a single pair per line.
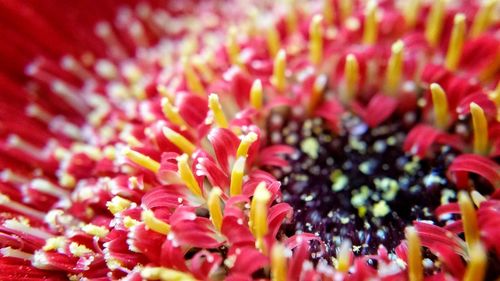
310,146
118,204
54,243
78,250
98,231
381,209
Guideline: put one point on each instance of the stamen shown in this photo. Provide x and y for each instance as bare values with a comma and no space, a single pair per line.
346,7
395,67
273,41
291,17
94,230
344,256
434,24
278,263
54,243
411,11
118,204
476,269
318,90
480,127
164,92
149,219
456,42
371,23
165,274
440,102
415,269
328,12
237,174
278,79
214,105
142,160
232,47
187,175
201,64
172,113
179,140
469,220
258,214
477,198
351,76
256,94
193,81
483,18
316,39
214,207
245,144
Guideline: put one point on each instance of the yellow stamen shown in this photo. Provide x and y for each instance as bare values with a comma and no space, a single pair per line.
480,126
495,95
351,77
202,66
118,204
316,39
278,79
232,47
476,268
291,17
477,198
346,7
237,174
187,175
440,102
273,41
456,42
344,257
258,214
256,94
415,269
172,113
149,219
328,12
483,18
245,144
278,263
214,105
179,140
193,81
94,230
165,274
54,243
318,90
371,23
214,207
411,11
142,160
395,67
469,219
434,24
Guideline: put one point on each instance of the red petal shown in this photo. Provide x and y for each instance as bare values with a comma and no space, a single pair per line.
472,163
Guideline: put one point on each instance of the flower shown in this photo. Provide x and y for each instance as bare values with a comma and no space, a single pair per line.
186,140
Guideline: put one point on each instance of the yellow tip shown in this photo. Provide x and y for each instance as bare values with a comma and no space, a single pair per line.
258,214
245,144
118,204
179,140
483,18
318,90
351,77
456,43
192,80
232,47
469,219
480,127
256,94
151,222
316,40
411,11
172,113
328,12
142,160
415,268
477,198
346,7
278,263
214,207
434,25
395,68
187,176
273,41
214,105
344,256
476,269
440,102
279,79
237,174
371,23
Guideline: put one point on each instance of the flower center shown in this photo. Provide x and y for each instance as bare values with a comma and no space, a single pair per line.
356,184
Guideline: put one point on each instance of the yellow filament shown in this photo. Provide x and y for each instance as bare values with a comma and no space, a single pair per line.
256,94
237,174
345,9
440,103
483,18
214,105
278,262
118,204
142,160
187,175
273,41
477,198
480,127
371,24
149,219
245,144
291,17
434,23
165,274
415,268
469,219
193,81
203,67
214,207
278,79
258,214
164,92
317,92
233,49
172,113
179,140
395,67
456,42
344,257
351,76
476,268
411,11
328,12
316,40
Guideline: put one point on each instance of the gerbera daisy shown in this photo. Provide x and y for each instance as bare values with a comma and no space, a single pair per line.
230,140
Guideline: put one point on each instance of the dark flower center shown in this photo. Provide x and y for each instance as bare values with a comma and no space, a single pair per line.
357,184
